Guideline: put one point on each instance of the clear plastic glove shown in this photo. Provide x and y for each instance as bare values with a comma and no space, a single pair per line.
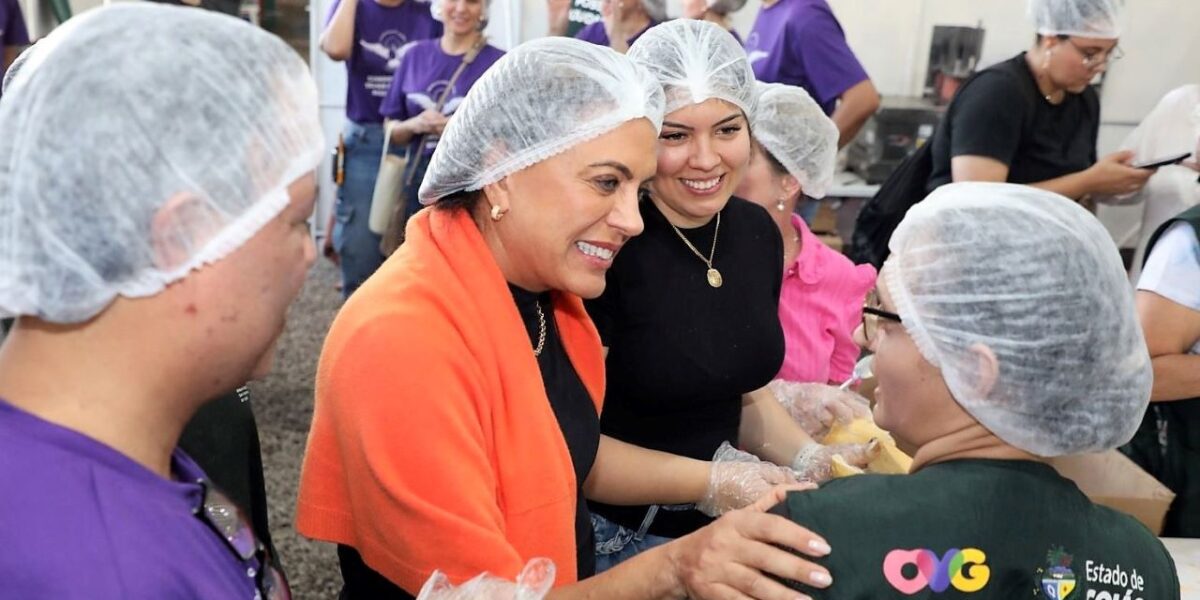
533,583
816,406
739,479
815,461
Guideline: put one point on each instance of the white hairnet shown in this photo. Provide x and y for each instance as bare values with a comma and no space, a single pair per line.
1036,279
542,98
1084,18
122,109
794,129
695,61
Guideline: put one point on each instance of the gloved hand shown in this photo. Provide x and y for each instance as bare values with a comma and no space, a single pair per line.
816,406
738,479
814,462
533,583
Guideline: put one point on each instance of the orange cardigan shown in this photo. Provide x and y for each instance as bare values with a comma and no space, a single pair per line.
433,444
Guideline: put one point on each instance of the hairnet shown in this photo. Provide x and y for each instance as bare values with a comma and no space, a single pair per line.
542,98
695,61
794,129
1036,279
1084,18
725,7
181,104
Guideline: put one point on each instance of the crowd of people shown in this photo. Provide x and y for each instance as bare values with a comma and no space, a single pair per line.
605,360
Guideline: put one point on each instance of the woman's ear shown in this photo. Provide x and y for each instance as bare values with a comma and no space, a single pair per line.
178,227
497,195
791,186
988,368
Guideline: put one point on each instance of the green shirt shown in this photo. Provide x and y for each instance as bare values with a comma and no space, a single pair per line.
979,529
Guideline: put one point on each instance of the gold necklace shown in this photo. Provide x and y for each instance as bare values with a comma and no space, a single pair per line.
714,276
537,350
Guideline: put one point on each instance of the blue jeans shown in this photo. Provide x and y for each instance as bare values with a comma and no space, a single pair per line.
356,244
616,544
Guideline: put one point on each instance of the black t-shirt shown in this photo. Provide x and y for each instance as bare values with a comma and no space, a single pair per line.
680,352
576,416
1001,114
979,529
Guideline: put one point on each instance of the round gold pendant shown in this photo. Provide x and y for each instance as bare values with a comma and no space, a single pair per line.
714,278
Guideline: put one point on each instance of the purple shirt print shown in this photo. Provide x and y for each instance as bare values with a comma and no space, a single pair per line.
799,42
424,72
379,34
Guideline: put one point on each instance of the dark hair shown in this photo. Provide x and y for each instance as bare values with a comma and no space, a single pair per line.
459,200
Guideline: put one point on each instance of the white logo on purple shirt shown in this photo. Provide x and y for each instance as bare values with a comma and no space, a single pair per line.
388,47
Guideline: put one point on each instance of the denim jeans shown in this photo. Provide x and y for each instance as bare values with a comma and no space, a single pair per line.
616,544
356,244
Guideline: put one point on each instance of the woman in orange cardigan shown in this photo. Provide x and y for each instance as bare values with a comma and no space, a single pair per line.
458,393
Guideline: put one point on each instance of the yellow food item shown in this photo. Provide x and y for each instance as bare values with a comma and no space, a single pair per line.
860,431
841,468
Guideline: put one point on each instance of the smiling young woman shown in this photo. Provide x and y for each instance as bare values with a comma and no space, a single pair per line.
690,313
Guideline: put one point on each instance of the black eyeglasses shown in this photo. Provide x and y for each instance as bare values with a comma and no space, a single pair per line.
871,315
1093,58
225,519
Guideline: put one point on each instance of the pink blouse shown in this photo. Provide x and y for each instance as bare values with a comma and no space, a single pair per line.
820,305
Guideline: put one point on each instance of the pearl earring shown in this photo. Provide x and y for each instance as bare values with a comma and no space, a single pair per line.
780,205
497,213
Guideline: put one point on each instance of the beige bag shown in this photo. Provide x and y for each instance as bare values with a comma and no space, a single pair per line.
393,228
389,185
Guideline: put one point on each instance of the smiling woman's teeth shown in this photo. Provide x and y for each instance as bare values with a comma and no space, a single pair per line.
597,251
702,185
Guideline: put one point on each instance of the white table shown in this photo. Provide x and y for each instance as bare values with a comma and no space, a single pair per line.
1186,553
849,185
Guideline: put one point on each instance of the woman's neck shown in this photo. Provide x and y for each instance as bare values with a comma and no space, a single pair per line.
389,3
972,441
722,20
679,219
1036,60
456,44
792,242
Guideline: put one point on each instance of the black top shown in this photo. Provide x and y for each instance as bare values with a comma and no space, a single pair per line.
1002,115
576,415
979,529
575,411
680,352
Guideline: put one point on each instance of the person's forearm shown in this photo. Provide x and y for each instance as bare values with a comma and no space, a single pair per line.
403,131
337,41
1074,185
856,106
624,474
1176,377
648,576
768,431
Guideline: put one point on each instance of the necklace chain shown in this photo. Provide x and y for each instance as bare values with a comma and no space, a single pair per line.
541,343
711,253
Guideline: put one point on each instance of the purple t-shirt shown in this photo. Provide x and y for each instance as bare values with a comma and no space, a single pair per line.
595,33
379,34
12,28
424,72
799,42
79,520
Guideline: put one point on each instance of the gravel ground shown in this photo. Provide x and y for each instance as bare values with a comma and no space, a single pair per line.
283,405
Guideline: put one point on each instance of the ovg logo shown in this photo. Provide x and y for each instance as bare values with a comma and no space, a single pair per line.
910,571
1057,578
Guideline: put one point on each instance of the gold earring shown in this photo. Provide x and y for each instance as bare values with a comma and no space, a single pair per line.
497,213
780,205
